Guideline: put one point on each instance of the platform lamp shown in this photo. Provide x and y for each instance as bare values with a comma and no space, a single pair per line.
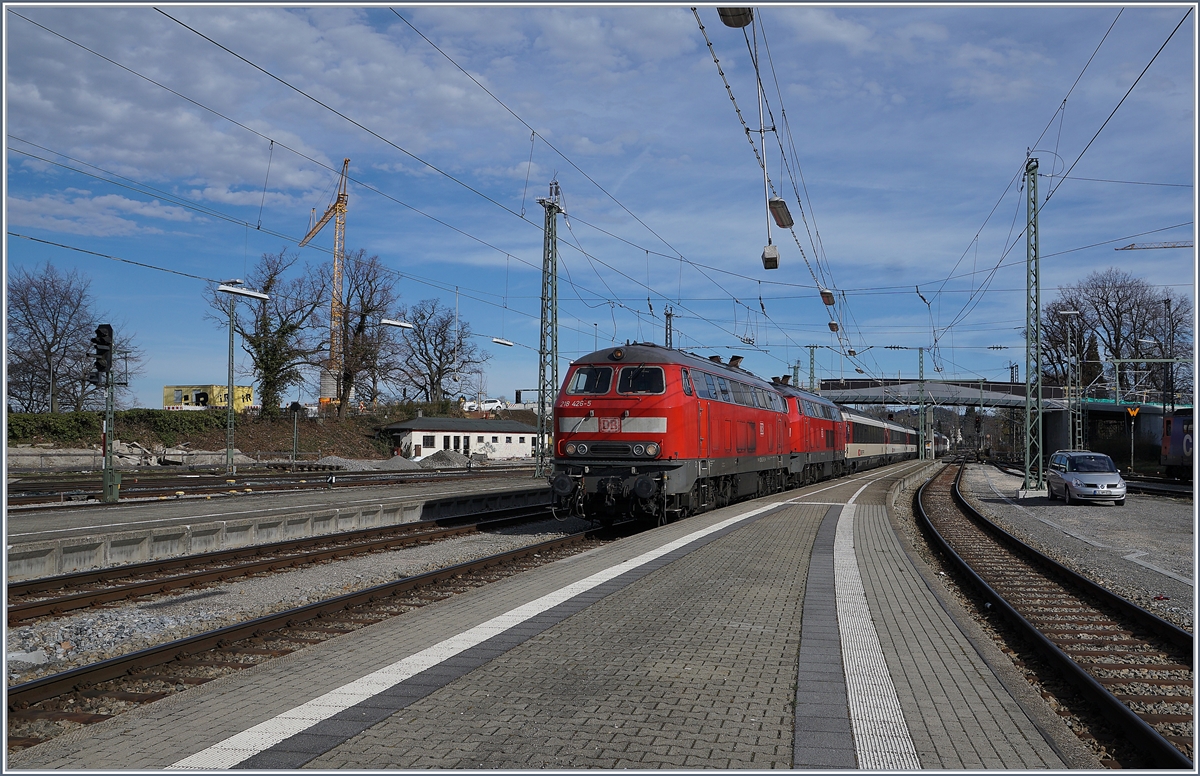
232,287
395,324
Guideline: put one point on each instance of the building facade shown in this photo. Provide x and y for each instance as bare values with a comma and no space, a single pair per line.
187,397
496,439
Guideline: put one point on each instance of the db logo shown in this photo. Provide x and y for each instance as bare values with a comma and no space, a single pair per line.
610,425
762,428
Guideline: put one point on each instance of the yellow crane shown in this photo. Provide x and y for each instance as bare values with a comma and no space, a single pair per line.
337,211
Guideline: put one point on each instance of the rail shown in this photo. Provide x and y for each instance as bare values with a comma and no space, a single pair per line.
1143,735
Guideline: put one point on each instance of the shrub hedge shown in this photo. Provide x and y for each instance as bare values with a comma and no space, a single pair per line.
68,427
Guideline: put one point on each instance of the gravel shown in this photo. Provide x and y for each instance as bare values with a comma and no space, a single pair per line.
445,458
395,463
52,645
1142,551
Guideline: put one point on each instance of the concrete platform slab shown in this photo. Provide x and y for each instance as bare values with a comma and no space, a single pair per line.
682,647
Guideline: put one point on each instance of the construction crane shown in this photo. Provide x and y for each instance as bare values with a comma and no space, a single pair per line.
1143,246
330,381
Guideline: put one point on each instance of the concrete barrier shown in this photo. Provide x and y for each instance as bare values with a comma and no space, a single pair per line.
34,560
924,473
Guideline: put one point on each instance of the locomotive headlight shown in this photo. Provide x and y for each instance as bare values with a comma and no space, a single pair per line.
639,450
581,448
651,449
570,448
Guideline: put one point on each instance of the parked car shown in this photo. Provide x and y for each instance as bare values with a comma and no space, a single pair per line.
1081,475
487,405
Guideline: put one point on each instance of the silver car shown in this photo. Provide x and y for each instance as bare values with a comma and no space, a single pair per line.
1081,475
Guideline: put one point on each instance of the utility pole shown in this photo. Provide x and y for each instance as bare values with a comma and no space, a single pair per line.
812,368
1074,377
667,339
1014,376
548,344
1169,380
1034,476
229,414
921,404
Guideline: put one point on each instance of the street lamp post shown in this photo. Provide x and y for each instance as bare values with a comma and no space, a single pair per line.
233,288
1074,432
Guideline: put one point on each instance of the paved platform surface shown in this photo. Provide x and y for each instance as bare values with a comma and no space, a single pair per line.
48,543
789,632
40,525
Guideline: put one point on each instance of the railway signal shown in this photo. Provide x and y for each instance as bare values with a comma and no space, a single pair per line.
103,350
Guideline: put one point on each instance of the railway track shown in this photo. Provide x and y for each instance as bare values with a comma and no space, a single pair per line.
1129,665
52,596
44,708
32,492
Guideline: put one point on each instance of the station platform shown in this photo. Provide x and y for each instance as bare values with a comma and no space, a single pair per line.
44,543
788,632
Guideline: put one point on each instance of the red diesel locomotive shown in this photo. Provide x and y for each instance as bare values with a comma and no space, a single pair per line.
652,432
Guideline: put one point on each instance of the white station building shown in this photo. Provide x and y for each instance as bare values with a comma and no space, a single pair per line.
497,439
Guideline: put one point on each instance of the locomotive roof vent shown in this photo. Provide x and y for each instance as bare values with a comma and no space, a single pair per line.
786,379
715,359
735,361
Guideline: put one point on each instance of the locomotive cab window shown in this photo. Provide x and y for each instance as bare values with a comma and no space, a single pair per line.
687,382
590,380
641,379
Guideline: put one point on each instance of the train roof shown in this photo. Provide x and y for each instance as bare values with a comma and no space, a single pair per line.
649,353
859,415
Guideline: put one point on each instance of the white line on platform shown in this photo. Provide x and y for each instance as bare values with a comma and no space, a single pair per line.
881,737
264,735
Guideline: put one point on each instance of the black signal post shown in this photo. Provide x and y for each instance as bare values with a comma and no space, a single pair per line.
102,377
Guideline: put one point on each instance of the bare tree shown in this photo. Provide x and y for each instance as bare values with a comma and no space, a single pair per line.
282,335
432,356
370,291
50,324
1129,318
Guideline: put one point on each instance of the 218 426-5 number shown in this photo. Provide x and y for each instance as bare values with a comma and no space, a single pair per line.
575,403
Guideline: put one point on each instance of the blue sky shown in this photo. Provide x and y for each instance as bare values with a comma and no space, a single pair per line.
907,124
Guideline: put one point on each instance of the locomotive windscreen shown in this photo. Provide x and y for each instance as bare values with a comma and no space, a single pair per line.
591,379
641,379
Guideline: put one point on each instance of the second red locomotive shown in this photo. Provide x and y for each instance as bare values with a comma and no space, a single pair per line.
647,431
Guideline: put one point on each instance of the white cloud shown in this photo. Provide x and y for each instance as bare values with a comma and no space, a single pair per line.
104,216
821,25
